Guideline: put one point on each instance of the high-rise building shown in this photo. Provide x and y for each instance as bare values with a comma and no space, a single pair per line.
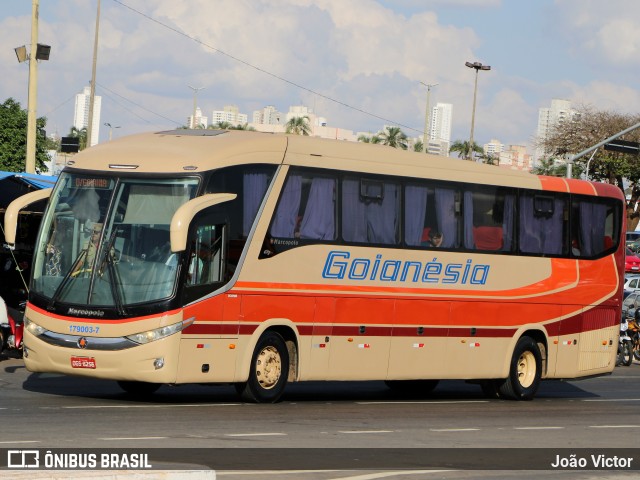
81,114
230,114
559,112
440,129
200,121
268,116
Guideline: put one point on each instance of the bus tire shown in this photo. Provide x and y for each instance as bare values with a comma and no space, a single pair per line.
139,389
525,371
490,388
415,387
268,372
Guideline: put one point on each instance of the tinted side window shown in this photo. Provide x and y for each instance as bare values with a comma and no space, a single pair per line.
543,223
432,215
370,210
595,224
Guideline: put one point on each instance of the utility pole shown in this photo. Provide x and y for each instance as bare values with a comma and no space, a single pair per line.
425,141
30,164
92,95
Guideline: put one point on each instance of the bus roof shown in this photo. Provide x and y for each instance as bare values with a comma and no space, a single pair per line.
184,151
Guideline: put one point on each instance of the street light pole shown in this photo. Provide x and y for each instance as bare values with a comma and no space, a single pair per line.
425,142
30,164
195,103
476,66
111,127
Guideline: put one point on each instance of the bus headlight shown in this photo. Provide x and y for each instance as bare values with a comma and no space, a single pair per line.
159,333
33,328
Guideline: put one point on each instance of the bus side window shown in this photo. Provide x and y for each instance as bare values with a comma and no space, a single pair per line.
306,211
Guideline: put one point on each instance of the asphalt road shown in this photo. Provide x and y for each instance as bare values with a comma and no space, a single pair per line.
194,426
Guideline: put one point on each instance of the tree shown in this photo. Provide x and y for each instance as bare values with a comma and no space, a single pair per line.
221,125
81,134
298,126
553,168
588,127
462,147
418,146
13,138
394,137
371,139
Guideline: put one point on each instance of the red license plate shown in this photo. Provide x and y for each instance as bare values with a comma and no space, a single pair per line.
83,362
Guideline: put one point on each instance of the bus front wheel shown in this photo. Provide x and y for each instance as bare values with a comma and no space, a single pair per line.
269,370
525,371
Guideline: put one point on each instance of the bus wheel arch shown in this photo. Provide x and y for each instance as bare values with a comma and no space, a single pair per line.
525,370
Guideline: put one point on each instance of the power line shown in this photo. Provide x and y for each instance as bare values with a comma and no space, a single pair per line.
266,72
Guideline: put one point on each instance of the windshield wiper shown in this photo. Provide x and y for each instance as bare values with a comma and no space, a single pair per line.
74,266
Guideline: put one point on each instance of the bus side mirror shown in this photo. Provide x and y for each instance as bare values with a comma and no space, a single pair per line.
183,216
13,210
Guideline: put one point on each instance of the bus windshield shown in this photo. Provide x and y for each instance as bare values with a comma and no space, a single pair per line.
105,240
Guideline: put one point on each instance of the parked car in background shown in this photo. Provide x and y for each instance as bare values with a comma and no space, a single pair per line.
632,237
630,304
631,262
631,284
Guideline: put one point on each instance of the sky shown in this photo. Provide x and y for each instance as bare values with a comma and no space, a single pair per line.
361,64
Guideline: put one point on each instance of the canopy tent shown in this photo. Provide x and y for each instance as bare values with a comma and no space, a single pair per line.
13,185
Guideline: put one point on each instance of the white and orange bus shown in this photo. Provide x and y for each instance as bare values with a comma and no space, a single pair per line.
260,259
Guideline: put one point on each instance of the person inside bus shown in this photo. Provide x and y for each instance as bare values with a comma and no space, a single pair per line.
435,239
85,263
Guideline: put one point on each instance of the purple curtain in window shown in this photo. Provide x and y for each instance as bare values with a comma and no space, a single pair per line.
446,216
540,233
354,221
382,218
468,220
592,227
254,188
415,208
529,235
318,222
286,217
507,222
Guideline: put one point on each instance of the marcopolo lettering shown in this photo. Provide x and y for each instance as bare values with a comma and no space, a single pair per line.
340,266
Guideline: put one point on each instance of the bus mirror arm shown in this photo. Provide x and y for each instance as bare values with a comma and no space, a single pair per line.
184,215
13,210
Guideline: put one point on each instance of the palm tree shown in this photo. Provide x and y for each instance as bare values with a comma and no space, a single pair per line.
243,126
417,147
80,133
371,139
394,137
462,147
221,125
298,126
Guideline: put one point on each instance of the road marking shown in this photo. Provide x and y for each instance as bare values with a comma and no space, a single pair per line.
89,407
612,400
373,476
428,402
266,434
365,431
20,441
454,429
132,438
538,428
368,476
614,426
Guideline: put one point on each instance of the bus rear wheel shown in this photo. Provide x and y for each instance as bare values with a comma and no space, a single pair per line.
139,389
525,371
269,371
